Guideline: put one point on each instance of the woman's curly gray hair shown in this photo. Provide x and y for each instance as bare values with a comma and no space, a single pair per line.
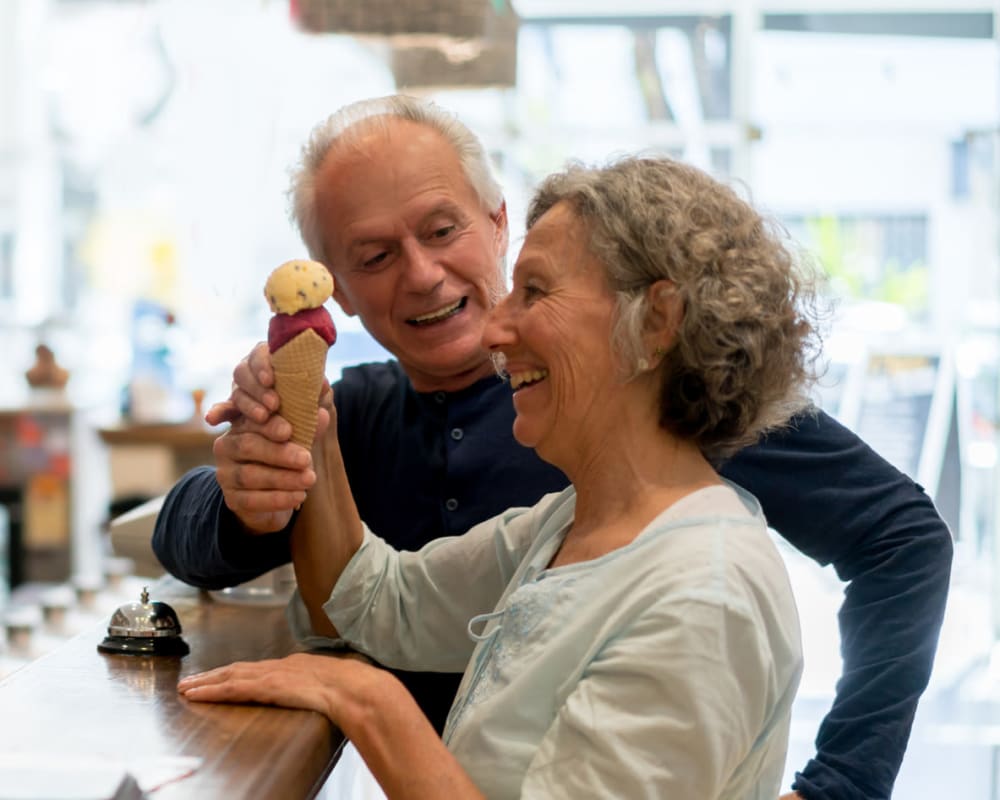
741,361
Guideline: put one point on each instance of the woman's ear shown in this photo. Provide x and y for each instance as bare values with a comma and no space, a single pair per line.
666,312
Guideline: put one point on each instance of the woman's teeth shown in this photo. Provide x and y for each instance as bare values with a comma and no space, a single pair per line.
521,379
440,314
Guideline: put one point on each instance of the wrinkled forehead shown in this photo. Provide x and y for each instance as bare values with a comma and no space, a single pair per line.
384,141
559,241
403,168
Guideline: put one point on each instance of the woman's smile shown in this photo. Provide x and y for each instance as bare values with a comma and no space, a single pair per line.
521,380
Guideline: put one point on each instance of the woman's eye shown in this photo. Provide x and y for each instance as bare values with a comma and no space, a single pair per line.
531,293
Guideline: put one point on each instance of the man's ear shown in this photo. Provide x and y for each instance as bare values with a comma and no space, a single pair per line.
502,229
666,312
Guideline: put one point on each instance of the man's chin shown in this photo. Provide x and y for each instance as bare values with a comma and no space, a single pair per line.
448,373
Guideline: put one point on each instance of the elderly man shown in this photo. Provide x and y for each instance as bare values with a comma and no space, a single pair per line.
415,234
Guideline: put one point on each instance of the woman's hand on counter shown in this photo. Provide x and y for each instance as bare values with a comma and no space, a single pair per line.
370,706
330,685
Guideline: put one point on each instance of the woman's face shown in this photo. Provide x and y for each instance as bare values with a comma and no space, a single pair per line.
554,331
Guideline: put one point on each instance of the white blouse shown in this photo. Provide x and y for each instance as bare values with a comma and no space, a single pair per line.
665,668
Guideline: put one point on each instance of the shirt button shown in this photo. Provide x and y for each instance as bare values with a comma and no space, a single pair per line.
440,397
451,503
457,434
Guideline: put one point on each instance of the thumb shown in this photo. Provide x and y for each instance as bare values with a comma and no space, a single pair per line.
322,423
326,395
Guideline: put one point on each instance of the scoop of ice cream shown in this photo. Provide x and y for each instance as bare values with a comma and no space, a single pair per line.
299,336
297,285
284,327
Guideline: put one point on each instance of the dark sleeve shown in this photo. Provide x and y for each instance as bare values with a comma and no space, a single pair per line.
200,541
836,500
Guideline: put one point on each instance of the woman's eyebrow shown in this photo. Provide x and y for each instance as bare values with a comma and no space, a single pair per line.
532,268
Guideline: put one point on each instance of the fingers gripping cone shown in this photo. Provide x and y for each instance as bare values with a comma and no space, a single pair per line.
298,378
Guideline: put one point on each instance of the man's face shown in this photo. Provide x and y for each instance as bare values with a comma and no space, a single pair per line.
412,250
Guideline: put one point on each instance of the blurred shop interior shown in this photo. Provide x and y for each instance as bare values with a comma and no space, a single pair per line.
144,149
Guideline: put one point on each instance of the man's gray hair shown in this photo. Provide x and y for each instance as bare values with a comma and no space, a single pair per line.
374,113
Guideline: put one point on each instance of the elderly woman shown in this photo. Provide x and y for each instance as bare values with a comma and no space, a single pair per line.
634,635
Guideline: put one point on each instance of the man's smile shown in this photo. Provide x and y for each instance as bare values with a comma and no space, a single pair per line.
439,314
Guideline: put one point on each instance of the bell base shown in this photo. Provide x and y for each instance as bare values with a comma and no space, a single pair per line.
144,646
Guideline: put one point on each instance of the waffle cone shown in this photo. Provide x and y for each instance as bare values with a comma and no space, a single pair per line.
298,377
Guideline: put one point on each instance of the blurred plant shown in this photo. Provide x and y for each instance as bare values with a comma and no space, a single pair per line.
856,269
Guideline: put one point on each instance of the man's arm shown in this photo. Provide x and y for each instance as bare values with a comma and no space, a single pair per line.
201,542
837,501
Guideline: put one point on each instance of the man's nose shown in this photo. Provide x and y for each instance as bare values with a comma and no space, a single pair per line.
422,272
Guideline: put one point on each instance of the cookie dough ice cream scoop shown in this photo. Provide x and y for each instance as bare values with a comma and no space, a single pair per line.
299,335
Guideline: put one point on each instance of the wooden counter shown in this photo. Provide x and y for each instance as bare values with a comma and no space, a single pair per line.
78,702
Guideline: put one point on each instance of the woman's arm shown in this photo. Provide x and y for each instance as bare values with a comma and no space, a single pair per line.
407,610
371,707
411,610
328,530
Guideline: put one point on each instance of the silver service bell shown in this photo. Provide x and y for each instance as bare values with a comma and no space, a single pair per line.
145,629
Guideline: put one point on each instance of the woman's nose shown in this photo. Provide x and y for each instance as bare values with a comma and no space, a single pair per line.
498,330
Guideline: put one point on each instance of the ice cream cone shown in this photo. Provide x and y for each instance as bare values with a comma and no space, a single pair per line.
299,367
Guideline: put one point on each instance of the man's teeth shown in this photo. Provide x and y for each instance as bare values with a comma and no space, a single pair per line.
441,313
522,378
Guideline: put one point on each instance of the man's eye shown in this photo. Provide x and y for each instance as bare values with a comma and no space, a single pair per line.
443,232
375,260
531,293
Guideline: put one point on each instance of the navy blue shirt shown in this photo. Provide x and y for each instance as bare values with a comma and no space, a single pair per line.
428,465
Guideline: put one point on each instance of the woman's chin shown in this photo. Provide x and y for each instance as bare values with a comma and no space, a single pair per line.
542,445
523,434
522,440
